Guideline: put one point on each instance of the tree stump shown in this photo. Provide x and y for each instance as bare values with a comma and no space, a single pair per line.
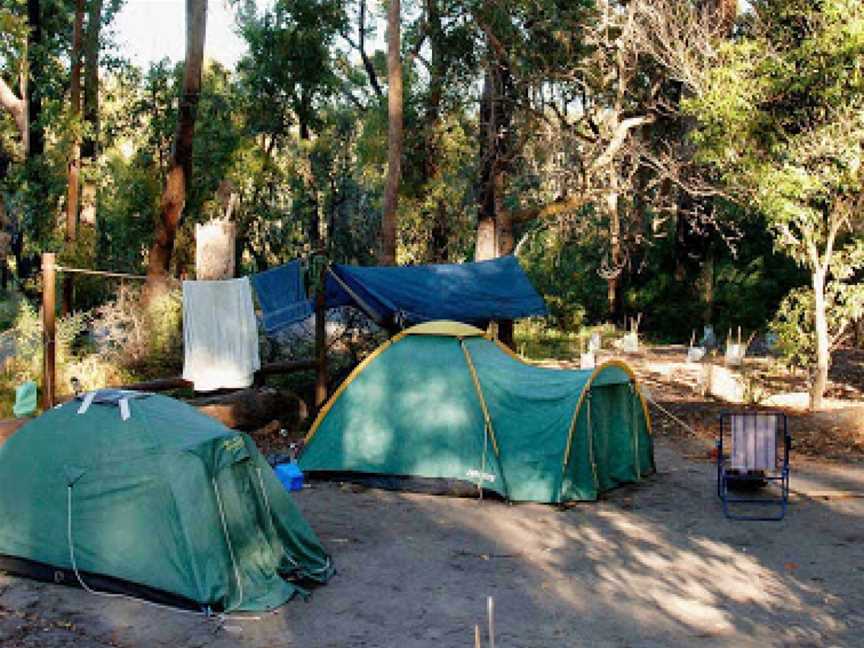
215,250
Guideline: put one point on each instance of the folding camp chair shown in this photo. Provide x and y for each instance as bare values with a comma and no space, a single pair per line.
752,454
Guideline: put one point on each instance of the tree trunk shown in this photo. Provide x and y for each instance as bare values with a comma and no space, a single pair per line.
311,198
35,131
440,231
180,166
823,352
73,171
5,161
707,281
90,146
394,135
494,221
613,280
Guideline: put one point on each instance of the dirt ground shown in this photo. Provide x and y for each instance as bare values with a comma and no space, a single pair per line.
654,564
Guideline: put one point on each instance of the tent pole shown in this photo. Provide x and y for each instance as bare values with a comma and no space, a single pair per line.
321,341
48,330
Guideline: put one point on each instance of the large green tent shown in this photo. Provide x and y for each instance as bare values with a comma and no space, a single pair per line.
145,495
442,400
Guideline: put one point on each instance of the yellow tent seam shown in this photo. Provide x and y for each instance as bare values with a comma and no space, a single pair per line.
476,379
611,363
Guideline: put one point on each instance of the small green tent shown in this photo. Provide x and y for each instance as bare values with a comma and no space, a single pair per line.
145,495
441,400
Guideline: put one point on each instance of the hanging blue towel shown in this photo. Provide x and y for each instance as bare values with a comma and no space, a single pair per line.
282,296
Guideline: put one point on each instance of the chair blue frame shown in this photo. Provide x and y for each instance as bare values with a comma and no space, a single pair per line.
779,476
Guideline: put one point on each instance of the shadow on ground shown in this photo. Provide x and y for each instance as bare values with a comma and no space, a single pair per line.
656,564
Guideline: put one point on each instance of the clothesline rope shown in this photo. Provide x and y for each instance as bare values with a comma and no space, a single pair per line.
100,273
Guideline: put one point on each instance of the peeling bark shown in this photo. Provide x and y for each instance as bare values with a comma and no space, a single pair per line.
16,107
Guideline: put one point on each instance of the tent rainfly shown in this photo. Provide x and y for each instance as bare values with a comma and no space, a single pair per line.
147,496
466,292
441,400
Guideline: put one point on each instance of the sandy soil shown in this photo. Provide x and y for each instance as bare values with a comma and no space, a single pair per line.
655,564
834,434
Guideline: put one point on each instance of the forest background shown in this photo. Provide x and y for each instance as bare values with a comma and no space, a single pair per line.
694,161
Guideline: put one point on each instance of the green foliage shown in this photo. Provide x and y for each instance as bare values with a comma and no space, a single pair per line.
562,264
781,120
793,326
138,340
25,340
796,111
538,338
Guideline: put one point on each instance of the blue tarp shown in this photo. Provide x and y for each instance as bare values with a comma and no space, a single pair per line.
465,292
282,296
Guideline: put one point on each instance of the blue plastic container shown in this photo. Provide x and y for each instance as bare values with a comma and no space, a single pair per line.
290,475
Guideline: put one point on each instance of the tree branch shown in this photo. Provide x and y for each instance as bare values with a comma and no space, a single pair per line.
14,106
621,132
554,208
367,62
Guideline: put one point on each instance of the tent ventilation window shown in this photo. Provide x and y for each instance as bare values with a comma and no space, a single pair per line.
112,397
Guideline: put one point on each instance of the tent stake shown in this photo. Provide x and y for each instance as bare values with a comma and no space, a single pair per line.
490,609
48,330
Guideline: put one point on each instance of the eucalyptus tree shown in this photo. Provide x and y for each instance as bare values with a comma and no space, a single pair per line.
780,116
180,168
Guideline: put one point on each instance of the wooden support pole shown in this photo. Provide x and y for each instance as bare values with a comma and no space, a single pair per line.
48,330
321,342
505,333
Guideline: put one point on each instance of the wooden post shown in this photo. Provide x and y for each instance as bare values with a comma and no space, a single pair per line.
48,330
505,333
321,341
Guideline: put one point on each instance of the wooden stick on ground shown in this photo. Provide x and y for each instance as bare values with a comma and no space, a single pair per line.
477,636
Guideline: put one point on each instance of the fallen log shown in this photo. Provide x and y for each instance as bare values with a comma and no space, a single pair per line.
250,409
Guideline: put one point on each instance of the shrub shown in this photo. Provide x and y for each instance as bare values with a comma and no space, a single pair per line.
793,325
144,341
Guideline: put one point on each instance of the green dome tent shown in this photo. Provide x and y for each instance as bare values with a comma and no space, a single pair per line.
441,400
144,495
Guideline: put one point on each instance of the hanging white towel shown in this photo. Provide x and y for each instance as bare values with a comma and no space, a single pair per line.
220,334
